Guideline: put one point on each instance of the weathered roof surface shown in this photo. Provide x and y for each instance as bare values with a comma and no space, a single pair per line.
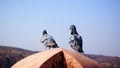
56,58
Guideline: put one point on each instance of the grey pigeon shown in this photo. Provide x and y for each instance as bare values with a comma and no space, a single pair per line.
48,40
75,40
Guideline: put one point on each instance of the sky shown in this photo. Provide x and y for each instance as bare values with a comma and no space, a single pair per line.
97,21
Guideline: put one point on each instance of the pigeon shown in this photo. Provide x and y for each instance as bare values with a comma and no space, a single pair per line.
48,40
75,40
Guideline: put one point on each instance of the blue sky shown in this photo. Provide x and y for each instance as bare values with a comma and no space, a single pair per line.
97,21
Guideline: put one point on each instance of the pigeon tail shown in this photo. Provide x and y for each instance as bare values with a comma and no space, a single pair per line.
55,46
80,51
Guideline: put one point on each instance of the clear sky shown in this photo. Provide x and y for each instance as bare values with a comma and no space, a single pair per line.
97,21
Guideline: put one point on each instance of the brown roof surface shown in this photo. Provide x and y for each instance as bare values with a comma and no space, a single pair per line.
56,58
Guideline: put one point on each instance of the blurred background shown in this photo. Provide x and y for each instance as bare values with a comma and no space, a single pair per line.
97,21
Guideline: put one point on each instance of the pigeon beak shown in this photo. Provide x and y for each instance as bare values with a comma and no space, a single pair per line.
70,28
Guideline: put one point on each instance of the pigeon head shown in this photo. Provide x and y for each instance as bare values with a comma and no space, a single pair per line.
44,32
72,27
73,30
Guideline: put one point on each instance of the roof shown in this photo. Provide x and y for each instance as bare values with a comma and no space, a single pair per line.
57,58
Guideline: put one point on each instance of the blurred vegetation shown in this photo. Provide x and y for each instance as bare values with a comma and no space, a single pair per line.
10,55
